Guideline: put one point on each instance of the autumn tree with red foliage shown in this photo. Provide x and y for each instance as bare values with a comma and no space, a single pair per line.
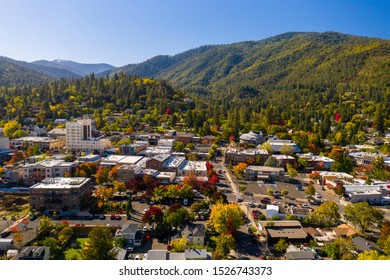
214,180
133,185
153,216
211,173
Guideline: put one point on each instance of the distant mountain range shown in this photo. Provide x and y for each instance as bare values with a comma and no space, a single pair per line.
37,72
305,59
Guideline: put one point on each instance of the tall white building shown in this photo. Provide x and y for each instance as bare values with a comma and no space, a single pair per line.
79,137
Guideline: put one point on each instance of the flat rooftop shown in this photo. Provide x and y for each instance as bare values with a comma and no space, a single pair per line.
60,183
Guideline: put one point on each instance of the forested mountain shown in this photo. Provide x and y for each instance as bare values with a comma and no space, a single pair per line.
13,74
46,71
80,69
300,86
310,60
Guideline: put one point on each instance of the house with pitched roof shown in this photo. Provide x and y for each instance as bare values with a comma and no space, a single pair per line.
194,234
131,233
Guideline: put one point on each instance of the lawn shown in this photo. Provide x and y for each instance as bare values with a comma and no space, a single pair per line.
75,253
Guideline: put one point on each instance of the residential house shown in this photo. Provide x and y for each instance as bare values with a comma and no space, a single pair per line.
131,233
34,253
301,253
38,131
158,255
197,254
364,245
120,253
194,234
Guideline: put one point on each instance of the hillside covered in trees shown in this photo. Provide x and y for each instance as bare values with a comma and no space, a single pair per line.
316,61
300,86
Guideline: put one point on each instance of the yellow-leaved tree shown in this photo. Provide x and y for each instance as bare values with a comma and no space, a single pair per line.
226,218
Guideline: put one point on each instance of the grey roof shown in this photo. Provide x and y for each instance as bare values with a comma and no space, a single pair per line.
130,228
34,253
158,255
300,255
121,253
363,244
177,256
196,230
196,254
162,157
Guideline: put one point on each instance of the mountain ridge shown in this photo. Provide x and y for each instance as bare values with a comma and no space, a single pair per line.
328,59
275,61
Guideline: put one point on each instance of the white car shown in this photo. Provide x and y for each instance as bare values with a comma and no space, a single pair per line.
137,257
145,257
317,195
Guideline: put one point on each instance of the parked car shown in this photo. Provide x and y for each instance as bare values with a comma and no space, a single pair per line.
32,217
239,199
129,248
251,204
265,201
137,257
5,234
317,195
102,217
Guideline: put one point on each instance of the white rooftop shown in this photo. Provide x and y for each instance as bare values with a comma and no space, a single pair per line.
60,183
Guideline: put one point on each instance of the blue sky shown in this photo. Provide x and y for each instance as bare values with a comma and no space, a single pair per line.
130,31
